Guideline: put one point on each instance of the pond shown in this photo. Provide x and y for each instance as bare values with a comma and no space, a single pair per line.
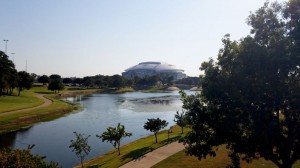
52,138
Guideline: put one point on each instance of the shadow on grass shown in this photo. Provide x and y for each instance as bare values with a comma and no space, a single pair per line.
137,154
170,140
46,92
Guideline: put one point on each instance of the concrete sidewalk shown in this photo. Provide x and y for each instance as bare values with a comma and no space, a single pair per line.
154,157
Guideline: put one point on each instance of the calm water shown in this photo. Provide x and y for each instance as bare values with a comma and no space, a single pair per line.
52,139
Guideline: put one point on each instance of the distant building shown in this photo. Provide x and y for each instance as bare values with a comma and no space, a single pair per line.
144,69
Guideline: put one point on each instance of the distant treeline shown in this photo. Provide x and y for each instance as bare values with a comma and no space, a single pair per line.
118,81
10,79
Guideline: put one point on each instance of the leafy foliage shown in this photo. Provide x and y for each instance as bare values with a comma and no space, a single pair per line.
155,125
19,158
80,146
8,74
250,99
56,83
181,120
43,79
25,81
114,136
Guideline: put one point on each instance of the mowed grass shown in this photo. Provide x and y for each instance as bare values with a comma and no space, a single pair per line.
181,160
24,119
27,99
15,121
133,150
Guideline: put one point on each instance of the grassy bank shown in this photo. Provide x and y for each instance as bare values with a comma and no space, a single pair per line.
144,145
14,102
133,150
24,119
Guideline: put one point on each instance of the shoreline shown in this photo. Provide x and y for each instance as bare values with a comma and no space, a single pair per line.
58,108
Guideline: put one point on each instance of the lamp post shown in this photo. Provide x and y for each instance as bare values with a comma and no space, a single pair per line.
13,56
5,46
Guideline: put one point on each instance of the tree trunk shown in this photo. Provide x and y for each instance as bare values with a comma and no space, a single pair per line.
181,130
155,137
19,92
81,162
119,148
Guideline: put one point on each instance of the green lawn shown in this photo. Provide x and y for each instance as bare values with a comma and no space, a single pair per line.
180,160
25,119
27,99
132,150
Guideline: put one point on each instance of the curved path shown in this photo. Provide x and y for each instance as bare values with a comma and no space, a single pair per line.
154,157
46,103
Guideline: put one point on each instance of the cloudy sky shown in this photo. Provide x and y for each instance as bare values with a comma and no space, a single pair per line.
89,37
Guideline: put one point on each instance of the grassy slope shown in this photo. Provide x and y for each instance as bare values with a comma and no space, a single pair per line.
25,119
132,150
138,148
26,100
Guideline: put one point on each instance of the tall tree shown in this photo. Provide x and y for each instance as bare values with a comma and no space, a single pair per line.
80,146
56,83
7,73
43,79
25,81
114,136
155,125
250,99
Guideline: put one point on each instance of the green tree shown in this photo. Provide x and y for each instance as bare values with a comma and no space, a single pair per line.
114,136
43,79
155,125
8,75
181,120
250,98
25,81
54,76
13,80
56,83
80,146
67,80
117,81
88,81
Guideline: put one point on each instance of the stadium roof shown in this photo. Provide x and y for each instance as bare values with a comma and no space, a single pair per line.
156,66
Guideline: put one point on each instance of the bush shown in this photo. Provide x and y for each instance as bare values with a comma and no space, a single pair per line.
19,158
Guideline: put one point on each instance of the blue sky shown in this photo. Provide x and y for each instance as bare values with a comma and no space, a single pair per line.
89,37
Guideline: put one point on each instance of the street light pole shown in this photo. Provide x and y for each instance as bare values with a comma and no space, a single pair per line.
13,56
5,46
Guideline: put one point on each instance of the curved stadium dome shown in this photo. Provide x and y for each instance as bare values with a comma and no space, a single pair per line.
144,69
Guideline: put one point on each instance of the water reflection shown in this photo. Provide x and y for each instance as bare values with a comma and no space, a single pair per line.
7,139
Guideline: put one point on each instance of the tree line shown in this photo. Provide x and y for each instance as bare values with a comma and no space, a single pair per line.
10,78
118,81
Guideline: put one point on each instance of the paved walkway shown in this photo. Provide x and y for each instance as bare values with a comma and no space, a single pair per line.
154,157
46,103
